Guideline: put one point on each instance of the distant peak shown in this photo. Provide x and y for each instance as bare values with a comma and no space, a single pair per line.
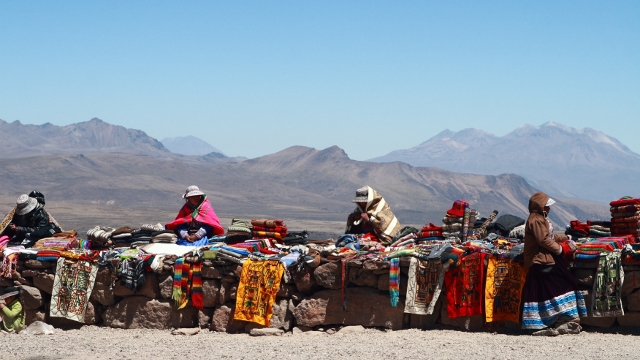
95,119
560,126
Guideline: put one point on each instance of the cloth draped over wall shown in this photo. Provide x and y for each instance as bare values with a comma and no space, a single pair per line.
503,293
425,284
465,286
72,288
259,283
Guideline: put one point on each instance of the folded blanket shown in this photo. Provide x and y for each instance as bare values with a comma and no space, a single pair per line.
267,234
452,227
628,215
625,201
279,229
426,234
267,222
431,227
629,208
239,225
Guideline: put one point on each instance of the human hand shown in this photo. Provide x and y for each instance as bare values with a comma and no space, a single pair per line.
13,227
365,216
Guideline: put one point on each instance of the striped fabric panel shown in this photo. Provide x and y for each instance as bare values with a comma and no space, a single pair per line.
539,315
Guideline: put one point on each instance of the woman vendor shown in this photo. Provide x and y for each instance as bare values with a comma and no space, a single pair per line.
11,310
197,221
372,214
552,303
29,221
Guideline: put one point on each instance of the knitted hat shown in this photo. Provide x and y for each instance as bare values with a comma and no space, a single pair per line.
192,191
457,209
10,291
25,204
362,195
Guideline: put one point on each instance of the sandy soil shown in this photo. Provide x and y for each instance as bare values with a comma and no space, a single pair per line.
91,342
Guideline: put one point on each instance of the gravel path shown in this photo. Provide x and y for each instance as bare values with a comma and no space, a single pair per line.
93,342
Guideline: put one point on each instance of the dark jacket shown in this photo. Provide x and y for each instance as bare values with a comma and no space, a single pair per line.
539,247
36,225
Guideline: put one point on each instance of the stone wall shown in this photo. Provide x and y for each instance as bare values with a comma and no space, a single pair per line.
313,299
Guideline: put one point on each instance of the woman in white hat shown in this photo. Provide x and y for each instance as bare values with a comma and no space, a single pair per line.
197,221
30,222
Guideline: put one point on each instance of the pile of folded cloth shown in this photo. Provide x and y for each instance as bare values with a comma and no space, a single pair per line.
238,231
164,236
100,236
505,224
271,229
590,229
122,236
430,232
459,219
625,217
590,250
296,238
141,236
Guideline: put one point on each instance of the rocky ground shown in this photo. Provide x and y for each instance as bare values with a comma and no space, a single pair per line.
92,342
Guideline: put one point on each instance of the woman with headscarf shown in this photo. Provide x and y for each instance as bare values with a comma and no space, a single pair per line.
552,302
372,213
197,221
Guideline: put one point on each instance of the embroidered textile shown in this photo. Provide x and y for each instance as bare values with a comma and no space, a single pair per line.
423,290
259,283
503,294
607,286
465,290
72,288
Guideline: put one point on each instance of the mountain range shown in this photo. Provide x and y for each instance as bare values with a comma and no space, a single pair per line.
297,182
189,145
563,161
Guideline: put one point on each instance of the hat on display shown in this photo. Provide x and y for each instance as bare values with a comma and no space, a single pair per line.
25,204
192,191
457,210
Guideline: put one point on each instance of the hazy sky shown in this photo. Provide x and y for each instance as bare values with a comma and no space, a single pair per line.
253,78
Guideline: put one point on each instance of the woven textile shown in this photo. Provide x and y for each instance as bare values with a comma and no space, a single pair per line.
259,283
7,220
607,286
394,281
424,287
72,288
503,294
187,283
465,290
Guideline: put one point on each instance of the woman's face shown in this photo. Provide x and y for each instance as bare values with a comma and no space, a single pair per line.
194,200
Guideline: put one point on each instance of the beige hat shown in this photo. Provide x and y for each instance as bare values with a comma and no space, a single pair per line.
192,191
25,204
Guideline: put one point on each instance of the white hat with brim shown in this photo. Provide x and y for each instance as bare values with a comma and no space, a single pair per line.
192,191
25,204
10,291
550,202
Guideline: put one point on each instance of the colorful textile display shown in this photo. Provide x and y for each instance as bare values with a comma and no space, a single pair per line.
7,220
204,213
72,288
465,222
259,283
607,286
465,290
394,281
187,283
425,284
503,293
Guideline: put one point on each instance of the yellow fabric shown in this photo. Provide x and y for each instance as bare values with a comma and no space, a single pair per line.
503,290
259,283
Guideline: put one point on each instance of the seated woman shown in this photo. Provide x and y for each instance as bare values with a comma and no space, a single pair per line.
372,214
197,221
29,221
12,315
552,302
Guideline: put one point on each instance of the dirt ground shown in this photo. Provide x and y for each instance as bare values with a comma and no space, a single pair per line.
92,342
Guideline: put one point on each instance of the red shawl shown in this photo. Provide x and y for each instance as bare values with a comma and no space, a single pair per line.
204,213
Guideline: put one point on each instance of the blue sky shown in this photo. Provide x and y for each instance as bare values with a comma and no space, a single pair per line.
253,78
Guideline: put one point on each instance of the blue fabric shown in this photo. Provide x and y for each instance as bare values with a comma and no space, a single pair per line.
202,242
540,315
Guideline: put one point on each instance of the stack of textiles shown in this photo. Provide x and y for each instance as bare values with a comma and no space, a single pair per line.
122,236
504,224
271,229
152,228
164,236
141,236
263,246
591,249
48,255
296,238
430,232
54,244
100,236
459,219
590,229
239,231
625,216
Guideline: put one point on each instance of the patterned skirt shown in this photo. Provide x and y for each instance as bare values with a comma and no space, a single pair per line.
549,297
